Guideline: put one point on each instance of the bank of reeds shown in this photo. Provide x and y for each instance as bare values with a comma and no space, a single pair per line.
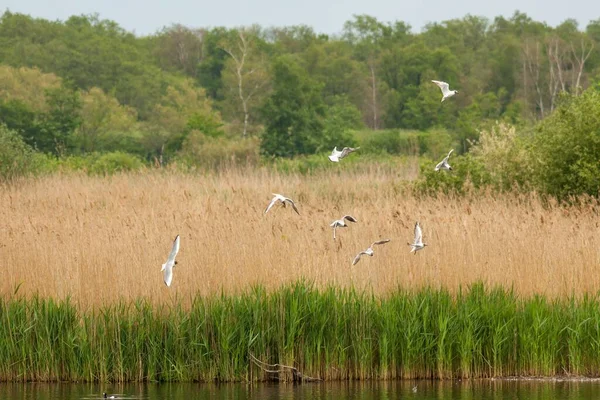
330,333
101,239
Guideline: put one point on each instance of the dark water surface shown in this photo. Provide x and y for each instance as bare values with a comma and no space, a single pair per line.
464,390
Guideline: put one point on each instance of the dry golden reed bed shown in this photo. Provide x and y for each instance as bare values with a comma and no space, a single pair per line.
101,239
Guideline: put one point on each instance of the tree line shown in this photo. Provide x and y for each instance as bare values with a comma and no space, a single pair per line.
86,85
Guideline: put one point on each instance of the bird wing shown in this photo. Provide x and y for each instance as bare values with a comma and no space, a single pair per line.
168,274
450,152
293,205
384,241
271,204
174,251
443,86
347,150
357,258
439,165
418,234
349,218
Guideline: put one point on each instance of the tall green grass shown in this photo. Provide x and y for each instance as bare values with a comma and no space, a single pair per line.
331,334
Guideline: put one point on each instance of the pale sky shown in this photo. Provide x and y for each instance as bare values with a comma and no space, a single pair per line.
147,16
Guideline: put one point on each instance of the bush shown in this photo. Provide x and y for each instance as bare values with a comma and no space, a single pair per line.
467,172
505,155
432,143
217,152
566,147
117,161
18,159
102,163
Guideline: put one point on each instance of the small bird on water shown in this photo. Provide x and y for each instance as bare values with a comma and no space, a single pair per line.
105,396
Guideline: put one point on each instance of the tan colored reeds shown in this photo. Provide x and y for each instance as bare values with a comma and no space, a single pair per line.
100,239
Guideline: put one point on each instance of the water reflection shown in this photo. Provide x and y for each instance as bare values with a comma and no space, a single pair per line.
446,390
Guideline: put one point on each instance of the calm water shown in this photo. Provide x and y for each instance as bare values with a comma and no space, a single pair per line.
480,390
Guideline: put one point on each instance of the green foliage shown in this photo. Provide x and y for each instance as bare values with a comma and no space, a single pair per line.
332,333
293,113
467,173
17,159
358,162
199,150
208,125
432,143
102,163
57,126
342,116
566,147
110,163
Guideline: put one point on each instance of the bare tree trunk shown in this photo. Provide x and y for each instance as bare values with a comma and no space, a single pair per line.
239,70
581,59
556,56
554,60
532,62
373,94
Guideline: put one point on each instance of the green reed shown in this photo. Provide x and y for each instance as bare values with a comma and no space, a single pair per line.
332,333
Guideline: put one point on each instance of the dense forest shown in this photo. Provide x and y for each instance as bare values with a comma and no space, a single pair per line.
86,89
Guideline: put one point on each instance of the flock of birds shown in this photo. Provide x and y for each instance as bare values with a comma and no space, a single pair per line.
336,156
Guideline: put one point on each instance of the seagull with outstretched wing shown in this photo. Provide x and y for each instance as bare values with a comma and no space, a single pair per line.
341,223
282,199
445,88
168,266
337,155
444,163
418,242
369,251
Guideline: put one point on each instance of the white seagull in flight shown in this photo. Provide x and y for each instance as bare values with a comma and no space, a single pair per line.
444,163
418,243
445,88
277,197
168,266
340,223
369,251
336,155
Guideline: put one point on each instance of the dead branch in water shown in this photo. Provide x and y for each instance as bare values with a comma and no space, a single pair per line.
297,376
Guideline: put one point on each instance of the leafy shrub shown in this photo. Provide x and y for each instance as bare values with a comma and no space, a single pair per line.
566,147
467,172
117,161
217,152
102,163
505,155
18,159
431,143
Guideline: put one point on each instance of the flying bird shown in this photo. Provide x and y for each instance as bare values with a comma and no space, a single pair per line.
445,88
369,251
336,155
283,200
168,266
341,223
418,243
444,163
